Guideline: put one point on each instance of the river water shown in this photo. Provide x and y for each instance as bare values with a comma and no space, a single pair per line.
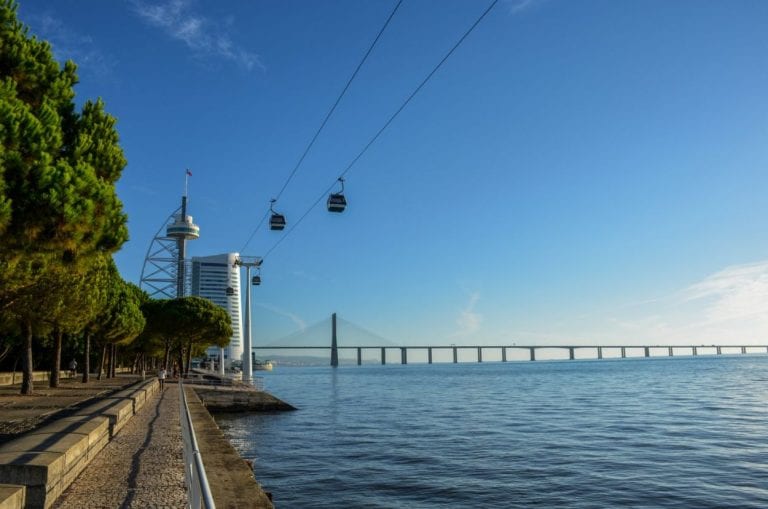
682,432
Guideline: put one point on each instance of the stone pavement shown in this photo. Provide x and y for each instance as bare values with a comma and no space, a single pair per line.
19,414
142,467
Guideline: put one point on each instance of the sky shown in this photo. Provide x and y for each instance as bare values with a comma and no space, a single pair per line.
587,172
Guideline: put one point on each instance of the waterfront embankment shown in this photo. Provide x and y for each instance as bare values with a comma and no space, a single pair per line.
114,443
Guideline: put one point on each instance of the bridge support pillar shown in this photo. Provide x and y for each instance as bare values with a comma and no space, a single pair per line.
695,351
671,353
383,355
359,356
571,355
503,354
403,356
719,351
743,349
647,352
533,354
455,355
479,354
429,355
599,352
623,352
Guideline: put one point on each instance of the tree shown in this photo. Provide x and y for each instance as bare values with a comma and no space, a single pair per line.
80,299
58,168
185,324
121,319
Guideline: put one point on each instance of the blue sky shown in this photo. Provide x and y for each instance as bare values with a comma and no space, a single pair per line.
577,172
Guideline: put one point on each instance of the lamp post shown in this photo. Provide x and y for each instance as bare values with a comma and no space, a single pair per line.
247,262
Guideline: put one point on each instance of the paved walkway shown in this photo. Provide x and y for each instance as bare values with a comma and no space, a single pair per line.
142,467
19,414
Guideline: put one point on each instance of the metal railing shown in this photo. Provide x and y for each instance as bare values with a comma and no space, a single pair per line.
198,491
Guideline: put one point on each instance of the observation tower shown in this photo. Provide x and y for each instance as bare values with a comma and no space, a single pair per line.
164,274
182,229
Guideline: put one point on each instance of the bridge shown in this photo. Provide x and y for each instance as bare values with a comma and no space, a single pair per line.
597,351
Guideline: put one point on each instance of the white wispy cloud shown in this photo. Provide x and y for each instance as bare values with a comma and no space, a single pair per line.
517,6
204,36
296,319
469,320
68,44
728,306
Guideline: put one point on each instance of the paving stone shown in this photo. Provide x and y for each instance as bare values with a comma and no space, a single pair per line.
143,465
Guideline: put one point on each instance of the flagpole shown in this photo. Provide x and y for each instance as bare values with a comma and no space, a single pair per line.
186,182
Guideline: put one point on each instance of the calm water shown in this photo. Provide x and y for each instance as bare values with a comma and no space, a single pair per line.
688,433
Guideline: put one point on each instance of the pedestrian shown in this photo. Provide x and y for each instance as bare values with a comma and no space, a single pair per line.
161,378
72,368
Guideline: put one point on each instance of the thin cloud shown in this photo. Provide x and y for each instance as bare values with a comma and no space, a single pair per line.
68,44
734,293
296,319
469,320
204,36
518,6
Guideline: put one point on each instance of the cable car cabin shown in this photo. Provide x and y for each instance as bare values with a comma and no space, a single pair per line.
277,222
256,280
336,202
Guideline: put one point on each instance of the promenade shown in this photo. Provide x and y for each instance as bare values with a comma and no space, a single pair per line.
141,467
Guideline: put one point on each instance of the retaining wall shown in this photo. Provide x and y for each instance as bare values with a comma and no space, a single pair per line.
47,460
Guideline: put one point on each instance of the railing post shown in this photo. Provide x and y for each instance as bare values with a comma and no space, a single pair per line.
503,354
359,356
383,355
429,355
479,354
455,355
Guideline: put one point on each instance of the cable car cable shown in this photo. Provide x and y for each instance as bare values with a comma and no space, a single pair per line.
325,120
338,100
380,131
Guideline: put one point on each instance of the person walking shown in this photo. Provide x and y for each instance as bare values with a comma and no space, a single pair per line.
161,377
72,368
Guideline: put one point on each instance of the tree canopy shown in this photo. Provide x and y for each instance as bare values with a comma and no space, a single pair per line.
58,166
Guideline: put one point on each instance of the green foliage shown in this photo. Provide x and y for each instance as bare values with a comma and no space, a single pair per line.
58,167
187,319
120,319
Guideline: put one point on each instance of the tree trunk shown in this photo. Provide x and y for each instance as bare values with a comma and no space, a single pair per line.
58,338
188,362
27,387
103,359
167,357
181,362
87,360
112,363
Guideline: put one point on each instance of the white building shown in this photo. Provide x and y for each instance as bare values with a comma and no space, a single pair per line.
211,278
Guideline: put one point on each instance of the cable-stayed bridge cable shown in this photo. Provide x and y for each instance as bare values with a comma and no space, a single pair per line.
384,127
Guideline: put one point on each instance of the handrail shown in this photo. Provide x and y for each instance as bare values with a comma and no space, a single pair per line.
198,490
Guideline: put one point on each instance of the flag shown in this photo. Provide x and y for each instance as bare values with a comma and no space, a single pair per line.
189,173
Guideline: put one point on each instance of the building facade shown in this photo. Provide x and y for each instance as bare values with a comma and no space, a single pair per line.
211,278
